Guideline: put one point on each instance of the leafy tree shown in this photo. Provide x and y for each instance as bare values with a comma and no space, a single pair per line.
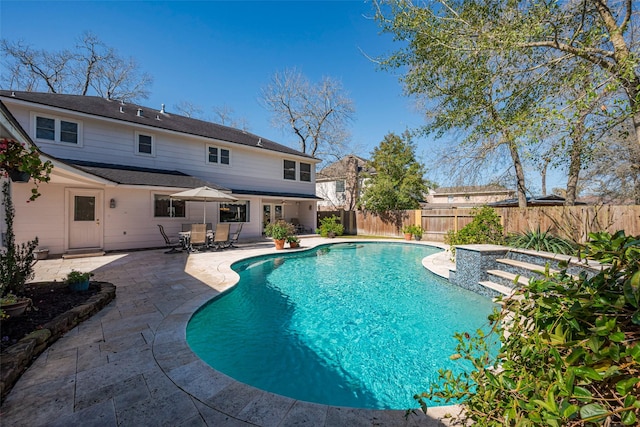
398,182
530,50
482,91
317,114
91,67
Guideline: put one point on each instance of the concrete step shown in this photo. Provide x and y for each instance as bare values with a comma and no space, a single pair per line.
499,289
525,268
82,253
508,279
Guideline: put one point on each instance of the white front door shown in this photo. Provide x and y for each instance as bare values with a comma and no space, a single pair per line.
85,219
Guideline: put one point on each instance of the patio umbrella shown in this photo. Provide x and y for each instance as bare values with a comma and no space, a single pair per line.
203,194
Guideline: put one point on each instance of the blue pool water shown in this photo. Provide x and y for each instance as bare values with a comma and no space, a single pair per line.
357,325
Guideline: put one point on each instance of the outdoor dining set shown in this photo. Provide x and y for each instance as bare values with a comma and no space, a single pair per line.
202,237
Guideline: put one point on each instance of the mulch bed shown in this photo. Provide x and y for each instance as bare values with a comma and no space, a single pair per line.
49,299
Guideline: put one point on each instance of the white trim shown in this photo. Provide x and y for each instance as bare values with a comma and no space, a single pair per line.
136,144
219,148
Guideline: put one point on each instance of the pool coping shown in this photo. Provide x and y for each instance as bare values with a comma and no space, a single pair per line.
245,403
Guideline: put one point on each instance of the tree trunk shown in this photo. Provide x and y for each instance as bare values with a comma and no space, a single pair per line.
517,164
543,174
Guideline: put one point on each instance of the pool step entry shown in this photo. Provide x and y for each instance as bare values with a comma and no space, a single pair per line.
494,271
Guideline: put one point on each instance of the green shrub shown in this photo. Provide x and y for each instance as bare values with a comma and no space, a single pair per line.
541,241
279,230
570,351
485,228
16,261
330,226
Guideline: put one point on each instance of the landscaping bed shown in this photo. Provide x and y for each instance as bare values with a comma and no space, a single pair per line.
55,310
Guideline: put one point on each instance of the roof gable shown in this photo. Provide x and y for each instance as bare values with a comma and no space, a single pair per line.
338,169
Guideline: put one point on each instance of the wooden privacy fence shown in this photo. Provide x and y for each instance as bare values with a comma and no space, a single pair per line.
573,222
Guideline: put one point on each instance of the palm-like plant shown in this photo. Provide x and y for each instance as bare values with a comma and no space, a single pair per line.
541,241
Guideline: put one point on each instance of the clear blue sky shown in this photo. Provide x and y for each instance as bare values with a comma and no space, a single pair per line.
215,53
221,53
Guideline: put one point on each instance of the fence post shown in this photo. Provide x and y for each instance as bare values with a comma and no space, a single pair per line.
455,219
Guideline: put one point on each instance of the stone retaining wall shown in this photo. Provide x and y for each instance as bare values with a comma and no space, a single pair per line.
19,356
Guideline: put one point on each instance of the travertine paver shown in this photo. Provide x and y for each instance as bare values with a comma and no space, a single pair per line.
130,365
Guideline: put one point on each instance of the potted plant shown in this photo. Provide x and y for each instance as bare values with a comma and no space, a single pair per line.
417,232
13,306
279,231
78,281
293,241
407,230
21,163
330,227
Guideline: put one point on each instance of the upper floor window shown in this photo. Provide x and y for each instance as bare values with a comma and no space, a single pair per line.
53,129
339,186
144,144
217,155
450,199
289,169
163,206
305,172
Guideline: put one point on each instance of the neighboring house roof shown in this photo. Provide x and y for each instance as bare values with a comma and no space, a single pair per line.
550,200
131,175
161,119
338,170
471,189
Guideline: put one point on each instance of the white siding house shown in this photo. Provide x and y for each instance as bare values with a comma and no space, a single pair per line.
115,164
341,183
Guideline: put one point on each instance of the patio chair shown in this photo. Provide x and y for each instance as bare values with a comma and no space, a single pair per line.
221,236
198,237
234,237
173,244
299,227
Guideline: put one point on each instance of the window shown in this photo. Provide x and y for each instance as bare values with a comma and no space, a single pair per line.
163,207
53,129
450,199
234,212
144,144
305,172
289,169
68,132
45,128
339,186
218,155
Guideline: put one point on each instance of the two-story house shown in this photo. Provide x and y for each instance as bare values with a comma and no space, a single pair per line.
340,184
116,164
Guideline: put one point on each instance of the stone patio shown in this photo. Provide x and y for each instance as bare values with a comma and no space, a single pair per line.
130,365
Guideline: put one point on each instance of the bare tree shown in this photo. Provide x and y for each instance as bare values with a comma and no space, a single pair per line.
189,109
611,175
225,116
91,68
317,115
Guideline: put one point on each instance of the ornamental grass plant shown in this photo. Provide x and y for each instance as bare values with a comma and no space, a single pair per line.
541,241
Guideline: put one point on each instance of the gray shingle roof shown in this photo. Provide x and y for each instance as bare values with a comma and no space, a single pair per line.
130,175
103,107
338,170
276,194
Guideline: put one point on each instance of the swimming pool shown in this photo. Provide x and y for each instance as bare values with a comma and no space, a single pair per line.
359,325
